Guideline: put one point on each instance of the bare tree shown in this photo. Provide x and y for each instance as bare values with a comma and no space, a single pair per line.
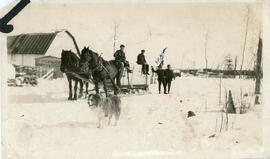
205,49
228,62
245,38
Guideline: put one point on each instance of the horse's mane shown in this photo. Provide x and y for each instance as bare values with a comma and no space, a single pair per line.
86,50
95,57
70,53
69,59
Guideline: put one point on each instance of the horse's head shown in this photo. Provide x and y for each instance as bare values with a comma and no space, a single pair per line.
88,57
69,60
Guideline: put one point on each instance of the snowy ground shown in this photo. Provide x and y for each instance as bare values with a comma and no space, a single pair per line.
39,122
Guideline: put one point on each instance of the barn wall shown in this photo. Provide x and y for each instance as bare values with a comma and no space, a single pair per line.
23,59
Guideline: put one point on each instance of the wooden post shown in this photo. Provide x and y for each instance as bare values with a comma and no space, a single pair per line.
219,102
226,105
146,79
258,71
230,106
128,79
74,41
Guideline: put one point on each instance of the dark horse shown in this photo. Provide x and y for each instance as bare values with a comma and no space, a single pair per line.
70,64
102,69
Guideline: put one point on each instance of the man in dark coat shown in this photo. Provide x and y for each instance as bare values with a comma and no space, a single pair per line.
168,77
161,78
141,61
120,55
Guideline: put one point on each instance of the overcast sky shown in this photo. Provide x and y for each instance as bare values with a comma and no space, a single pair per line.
181,27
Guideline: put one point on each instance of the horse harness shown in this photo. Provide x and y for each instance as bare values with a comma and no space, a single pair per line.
100,67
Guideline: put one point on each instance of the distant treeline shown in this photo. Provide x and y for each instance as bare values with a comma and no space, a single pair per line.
225,73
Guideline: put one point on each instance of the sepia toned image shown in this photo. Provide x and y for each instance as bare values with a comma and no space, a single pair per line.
133,80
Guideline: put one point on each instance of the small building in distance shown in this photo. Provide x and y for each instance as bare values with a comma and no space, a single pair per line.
46,63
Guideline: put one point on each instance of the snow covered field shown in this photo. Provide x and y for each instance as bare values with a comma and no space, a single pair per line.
39,122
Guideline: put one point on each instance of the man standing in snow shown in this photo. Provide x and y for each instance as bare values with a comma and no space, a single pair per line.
168,77
121,56
161,78
141,61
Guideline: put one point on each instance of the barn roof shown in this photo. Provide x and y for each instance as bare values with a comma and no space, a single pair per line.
34,43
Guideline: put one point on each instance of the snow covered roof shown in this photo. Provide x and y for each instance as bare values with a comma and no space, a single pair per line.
34,43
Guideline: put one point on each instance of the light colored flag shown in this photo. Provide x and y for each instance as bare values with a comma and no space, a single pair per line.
160,58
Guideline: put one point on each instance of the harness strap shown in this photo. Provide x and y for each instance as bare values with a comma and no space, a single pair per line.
99,67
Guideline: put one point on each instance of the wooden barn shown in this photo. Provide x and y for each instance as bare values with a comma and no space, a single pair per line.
24,48
39,49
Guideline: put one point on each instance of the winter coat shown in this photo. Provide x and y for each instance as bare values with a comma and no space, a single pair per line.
120,55
160,73
141,59
169,75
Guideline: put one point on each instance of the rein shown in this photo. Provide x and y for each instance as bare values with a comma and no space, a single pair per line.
103,67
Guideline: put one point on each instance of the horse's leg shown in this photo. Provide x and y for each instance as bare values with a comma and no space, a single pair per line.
115,87
81,89
75,90
118,80
115,80
96,87
128,78
120,75
70,88
86,89
105,87
117,115
110,117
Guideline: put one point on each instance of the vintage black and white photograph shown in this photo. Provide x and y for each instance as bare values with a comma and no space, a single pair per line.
133,79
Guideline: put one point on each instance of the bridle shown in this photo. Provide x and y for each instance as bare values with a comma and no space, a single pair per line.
97,61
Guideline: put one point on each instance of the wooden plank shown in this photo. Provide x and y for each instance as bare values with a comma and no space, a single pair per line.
138,86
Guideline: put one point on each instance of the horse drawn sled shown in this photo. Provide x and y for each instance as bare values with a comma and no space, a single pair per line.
88,66
132,82
92,68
